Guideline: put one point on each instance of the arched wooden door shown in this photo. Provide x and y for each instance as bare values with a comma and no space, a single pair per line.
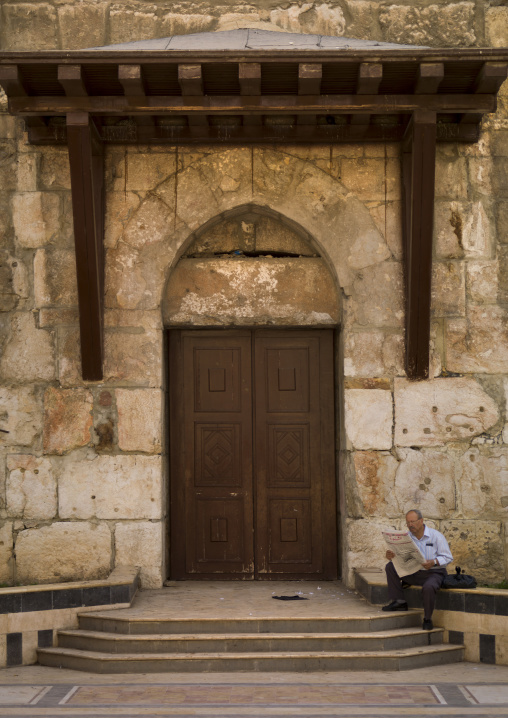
252,454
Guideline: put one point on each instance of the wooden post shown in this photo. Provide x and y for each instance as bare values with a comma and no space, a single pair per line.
87,185
418,178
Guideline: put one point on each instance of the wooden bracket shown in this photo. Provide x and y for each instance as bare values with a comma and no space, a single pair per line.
418,178
87,184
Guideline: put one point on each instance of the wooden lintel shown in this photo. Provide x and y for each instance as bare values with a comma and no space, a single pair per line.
251,130
87,186
309,78
249,76
131,79
191,80
369,78
71,79
418,179
264,104
491,77
430,76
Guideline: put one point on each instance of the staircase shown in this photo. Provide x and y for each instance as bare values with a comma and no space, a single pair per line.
113,644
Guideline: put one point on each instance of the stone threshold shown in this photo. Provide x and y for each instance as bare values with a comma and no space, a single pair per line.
120,587
475,618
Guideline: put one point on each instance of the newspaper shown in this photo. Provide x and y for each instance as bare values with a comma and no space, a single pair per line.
408,557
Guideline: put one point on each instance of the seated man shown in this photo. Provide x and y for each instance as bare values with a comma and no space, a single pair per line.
436,551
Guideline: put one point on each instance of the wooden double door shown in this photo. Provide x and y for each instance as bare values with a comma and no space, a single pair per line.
252,454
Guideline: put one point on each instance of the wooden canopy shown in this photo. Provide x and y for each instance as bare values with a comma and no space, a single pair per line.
250,86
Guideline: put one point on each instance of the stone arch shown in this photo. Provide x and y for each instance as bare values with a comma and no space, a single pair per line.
251,266
161,225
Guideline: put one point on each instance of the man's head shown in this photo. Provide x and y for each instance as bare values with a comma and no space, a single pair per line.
414,522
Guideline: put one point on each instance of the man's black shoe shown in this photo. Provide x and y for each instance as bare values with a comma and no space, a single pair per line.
394,606
427,624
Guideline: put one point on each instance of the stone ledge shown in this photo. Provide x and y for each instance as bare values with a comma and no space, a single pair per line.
475,618
120,587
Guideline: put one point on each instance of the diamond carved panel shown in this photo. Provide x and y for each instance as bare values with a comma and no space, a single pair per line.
288,447
218,455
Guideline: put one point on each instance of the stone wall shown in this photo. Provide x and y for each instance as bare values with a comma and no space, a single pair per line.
61,24
82,469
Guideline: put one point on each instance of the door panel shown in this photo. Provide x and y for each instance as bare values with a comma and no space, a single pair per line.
252,454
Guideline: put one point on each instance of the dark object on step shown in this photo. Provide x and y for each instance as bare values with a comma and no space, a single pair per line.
459,580
291,598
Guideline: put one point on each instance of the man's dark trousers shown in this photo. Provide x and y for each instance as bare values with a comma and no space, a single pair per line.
430,581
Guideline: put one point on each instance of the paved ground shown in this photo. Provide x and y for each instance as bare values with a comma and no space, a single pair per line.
458,690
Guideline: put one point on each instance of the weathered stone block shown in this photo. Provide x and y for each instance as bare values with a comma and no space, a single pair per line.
110,487
150,223
375,481
496,26
480,175
28,353
378,296
54,170
19,21
64,551
451,177
433,413
462,229
183,24
140,420
120,208
30,488
372,179
436,25
133,358
364,545
140,543
483,483
502,222
425,480
322,19
7,127
146,171
69,350
36,218
126,25
27,170
482,281
479,342
246,291
369,418
8,168
82,25
6,560
477,547
388,219
448,289
55,277
67,419
362,20
20,415
374,353
500,177
133,318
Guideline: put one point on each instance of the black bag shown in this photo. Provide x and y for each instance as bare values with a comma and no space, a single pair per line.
459,580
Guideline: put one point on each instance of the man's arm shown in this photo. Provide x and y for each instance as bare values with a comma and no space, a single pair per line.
443,553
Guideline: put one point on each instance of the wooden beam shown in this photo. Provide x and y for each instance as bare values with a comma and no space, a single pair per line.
87,188
252,130
430,76
369,78
191,80
309,78
131,79
10,79
71,79
264,104
249,75
418,178
491,77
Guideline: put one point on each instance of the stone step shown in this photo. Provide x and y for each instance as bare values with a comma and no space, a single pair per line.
404,659
104,621
247,642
